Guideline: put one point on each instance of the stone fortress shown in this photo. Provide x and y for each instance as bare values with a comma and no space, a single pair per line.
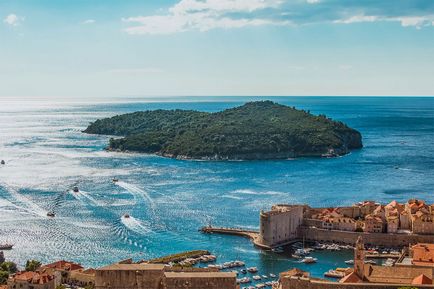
394,224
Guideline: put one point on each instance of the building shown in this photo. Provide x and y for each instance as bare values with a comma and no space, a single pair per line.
63,270
373,224
129,276
280,224
31,280
423,255
159,276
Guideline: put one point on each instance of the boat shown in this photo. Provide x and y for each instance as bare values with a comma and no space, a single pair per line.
6,246
244,280
264,276
309,260
349,262
243,271
272,275
334,274
75,189
278,250
261,285
126,216
252,269
115,180
295,256
51,214
256,277
3,162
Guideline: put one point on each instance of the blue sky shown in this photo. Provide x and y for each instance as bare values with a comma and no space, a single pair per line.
98,48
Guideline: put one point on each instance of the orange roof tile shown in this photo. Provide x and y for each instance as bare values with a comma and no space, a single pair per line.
351,278
421,280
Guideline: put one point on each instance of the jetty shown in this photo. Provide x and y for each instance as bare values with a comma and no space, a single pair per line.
251,234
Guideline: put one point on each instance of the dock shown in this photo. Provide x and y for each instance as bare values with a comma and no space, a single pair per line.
251,234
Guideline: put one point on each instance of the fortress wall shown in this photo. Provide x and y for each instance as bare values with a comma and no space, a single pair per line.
377,239
305,283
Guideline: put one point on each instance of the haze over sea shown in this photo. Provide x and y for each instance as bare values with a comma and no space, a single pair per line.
169,200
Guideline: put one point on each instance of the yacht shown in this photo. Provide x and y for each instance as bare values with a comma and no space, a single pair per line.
6,246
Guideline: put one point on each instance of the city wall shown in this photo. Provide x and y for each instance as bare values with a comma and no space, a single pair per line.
377,239
306,283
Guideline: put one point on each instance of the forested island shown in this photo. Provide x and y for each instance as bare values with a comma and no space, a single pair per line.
255,130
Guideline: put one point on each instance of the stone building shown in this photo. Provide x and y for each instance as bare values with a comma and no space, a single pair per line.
280,224
158,276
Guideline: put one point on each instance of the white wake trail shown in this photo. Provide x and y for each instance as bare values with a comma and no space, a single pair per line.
28,205
135,191
135,225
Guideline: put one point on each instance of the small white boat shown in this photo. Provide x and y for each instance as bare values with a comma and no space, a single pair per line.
309,260
256,277
264,276
272,275
349,262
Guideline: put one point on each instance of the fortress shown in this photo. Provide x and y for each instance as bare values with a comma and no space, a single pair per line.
391,225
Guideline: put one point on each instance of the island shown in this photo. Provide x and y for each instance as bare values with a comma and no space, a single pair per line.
254,131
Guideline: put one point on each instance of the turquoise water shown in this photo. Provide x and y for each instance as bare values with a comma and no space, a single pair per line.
169,200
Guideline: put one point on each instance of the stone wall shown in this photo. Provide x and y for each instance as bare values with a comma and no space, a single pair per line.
306,283
377,239
278,227
182,280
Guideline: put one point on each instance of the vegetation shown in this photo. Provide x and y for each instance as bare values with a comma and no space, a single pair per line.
179,257
256,130
6,268
32,265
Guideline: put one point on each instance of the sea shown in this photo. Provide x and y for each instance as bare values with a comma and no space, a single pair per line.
169,200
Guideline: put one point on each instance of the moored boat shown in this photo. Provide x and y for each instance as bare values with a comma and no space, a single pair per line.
6,246
51,214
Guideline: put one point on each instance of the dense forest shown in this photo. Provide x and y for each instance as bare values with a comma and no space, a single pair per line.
255,130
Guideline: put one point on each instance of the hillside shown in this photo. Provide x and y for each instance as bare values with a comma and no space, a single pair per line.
255,130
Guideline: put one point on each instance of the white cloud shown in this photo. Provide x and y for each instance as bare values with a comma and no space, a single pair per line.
89,21
202,16
357,19
312,1
13,20
418,22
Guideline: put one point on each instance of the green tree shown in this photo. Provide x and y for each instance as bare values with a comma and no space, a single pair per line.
4,275
32,265
10,267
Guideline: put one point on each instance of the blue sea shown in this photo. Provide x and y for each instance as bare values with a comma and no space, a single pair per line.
46,155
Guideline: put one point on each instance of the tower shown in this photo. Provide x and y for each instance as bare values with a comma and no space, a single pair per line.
359,258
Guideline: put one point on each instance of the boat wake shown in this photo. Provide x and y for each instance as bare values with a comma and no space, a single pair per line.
135,225
25,204
137,192
85,198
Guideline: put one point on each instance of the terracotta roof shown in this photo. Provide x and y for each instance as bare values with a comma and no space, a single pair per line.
423,253
295,272
64,265
421,280
33,277
351,278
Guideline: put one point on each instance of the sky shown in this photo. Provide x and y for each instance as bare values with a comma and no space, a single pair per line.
147,48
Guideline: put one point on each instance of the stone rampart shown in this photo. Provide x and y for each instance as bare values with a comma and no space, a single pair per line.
376,239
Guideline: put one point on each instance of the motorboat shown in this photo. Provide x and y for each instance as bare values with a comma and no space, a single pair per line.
126,216
252,269
244,280
75,189
309,260
115,180
3,162
334,274
51,214
6,246
256,277
272,275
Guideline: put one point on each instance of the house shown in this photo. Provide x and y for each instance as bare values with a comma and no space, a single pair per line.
32,280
